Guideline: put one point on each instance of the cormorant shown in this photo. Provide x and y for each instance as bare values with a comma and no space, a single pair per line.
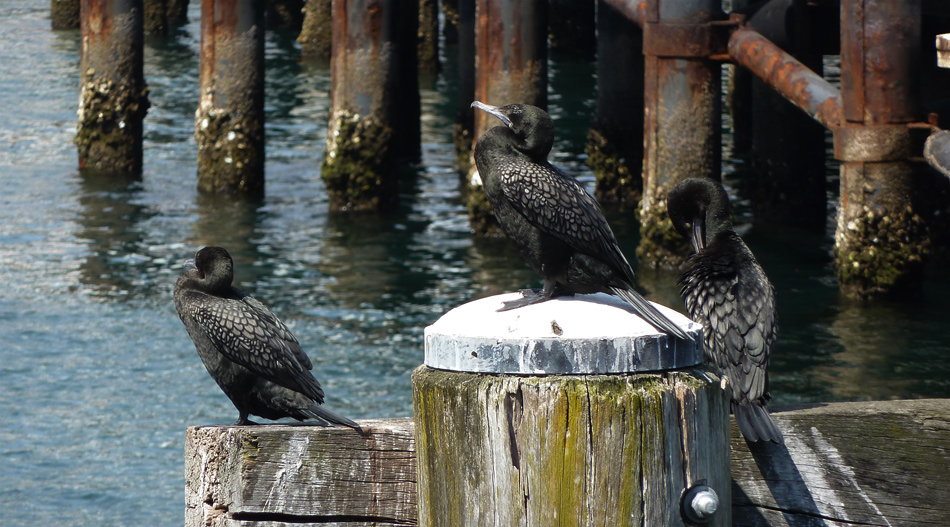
249,352
556,225
726,290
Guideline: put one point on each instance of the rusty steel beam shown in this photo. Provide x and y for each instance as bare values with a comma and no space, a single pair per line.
785,74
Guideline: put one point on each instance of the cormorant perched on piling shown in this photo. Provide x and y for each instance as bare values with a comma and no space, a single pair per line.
248,351
555,224
727,291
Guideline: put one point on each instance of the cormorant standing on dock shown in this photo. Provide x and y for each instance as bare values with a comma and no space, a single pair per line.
555,224
249,352
726,290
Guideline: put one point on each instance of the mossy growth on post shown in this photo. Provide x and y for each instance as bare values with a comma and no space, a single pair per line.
661,247
481,217
617,181
230,151
109,129
316,35
357,167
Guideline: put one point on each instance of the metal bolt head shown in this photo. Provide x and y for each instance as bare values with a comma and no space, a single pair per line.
700,503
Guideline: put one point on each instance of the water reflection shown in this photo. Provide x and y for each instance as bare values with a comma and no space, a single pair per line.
109,221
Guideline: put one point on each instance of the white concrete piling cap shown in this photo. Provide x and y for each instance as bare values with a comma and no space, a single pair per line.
584,334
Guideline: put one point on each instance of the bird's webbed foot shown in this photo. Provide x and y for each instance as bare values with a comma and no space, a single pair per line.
534,296
244,421
528,297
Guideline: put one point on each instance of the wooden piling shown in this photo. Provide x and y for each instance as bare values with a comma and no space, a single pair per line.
881,237
681,116
113,97
374,114
428,43
564,413
316,35
615,141
229,123
156,17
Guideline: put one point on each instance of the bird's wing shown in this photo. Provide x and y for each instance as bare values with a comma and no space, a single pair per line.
249,334
559,206
738,314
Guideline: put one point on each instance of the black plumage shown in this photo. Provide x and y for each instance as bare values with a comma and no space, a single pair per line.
249,352
726,290
556,225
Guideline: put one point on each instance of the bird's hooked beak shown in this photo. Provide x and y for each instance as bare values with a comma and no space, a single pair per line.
698,239
494,110
189,264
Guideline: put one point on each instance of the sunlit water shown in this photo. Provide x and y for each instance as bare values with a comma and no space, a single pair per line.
98,379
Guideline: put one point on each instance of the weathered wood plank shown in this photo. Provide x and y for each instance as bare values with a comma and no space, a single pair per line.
870,463
291,474
874,463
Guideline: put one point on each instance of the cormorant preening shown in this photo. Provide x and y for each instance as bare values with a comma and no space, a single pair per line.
555,224
727,291
248,351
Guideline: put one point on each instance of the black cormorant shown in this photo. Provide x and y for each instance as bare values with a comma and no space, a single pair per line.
555,224
726,290
249,352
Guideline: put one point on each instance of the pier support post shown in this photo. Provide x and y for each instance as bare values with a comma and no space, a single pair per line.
113,97
511,57
572,26
615,141
546,416
229,123
464,132
64,14
374,109
788,147
156,17
681,117
316,35
428,51
881,237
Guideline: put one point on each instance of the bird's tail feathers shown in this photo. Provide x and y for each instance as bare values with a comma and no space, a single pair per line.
755,423
318,412
651,314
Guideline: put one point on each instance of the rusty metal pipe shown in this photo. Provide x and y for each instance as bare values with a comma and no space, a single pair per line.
785,74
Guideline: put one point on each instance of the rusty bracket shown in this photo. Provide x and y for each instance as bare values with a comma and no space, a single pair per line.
705,40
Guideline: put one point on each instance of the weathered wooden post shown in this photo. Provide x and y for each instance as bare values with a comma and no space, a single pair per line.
569,412
113,97
511,58
374,114
316,35
229,123
615,141
681,116
881,237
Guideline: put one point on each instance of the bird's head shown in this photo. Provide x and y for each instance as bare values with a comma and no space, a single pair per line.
531,127
699,209
215,267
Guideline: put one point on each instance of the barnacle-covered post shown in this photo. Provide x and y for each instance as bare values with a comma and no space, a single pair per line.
374,108
682,133
567,412
113,97
316,35
511,57
229,123
615,141
882,236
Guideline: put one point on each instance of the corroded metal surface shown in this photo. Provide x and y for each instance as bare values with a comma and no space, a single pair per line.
113,95
784,73
229,122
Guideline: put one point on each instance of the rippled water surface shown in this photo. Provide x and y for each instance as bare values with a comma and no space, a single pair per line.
98,379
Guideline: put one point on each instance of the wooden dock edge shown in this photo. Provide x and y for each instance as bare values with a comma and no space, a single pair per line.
870,463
